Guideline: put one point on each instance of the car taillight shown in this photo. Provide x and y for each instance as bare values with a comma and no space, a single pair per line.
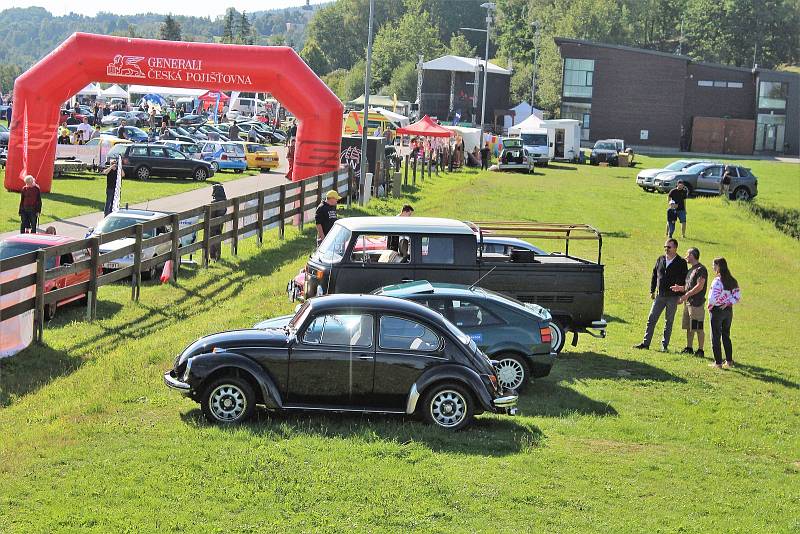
224,157
545,333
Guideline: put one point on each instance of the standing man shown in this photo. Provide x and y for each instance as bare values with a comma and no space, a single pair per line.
486,155
121,130
407,211
725,183
290,159
85,130
111,185
233,132
669,270
679,195
694,296
30,205
326,215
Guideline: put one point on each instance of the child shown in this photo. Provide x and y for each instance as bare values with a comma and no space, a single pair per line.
672,216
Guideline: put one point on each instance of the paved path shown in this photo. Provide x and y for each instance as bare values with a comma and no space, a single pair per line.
78,226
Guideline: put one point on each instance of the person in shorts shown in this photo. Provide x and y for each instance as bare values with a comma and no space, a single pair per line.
693,299
679,195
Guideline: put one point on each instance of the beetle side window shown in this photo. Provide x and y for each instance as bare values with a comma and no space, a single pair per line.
404,334
353,330
437,249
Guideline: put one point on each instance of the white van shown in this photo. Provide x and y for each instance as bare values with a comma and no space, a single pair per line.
248,106
535,143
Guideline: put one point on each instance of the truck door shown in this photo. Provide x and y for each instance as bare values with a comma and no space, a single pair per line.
376,260
446,258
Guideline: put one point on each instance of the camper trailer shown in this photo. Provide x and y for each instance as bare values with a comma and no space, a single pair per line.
563,139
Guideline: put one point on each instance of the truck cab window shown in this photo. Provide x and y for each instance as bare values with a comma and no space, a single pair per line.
437,250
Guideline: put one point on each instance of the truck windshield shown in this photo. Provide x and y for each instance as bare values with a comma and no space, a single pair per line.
605,146
332,248
534,139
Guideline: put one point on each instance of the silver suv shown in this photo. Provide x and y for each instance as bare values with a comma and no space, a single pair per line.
705,178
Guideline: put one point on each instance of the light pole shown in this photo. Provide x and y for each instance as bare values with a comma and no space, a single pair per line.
536,25
367,78
489,6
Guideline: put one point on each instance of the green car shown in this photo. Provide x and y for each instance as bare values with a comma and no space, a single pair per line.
515,335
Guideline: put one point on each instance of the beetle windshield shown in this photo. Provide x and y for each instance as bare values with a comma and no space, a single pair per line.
332,248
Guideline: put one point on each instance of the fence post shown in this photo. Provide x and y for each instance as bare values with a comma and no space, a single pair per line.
91,295
319,189
282,213
260,235
207,235
430,165
302,204
136,278
175,220
414,172
235,240
405,179
41,259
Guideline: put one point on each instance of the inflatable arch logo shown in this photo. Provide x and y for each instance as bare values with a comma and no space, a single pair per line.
83,58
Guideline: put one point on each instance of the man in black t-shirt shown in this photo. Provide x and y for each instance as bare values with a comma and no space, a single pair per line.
121,129
679,195
326,215
694,297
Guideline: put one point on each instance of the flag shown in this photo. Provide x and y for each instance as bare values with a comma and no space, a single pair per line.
117,186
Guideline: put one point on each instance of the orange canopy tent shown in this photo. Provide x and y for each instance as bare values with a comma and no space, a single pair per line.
425,127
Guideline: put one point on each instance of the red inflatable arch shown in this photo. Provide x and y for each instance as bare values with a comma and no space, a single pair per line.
84,58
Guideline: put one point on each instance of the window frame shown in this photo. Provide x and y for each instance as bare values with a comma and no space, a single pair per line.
423,237
483,310
439,347
325,315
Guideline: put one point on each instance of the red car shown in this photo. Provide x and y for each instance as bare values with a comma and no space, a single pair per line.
24,243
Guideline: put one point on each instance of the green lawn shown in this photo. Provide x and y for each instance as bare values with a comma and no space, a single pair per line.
86,192
615,440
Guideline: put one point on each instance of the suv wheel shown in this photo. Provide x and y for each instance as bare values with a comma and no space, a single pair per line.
512,371
448,406
200,174
143,172
741,193
557,336
228,400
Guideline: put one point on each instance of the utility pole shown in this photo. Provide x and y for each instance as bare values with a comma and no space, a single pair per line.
536,25
367,79
489,6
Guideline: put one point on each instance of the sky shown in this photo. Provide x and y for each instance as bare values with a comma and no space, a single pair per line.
201,8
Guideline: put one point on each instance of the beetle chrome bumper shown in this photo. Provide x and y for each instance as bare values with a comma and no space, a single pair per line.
506,404
174,383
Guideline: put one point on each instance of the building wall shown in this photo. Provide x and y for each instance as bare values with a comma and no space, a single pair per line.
724,102
792,132
633,92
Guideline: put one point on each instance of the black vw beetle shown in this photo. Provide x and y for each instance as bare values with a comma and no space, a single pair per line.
361,353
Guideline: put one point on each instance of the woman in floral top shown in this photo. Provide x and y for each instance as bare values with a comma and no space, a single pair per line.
723,295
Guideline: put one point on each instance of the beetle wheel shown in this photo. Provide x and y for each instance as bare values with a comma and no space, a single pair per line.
229,400
448,406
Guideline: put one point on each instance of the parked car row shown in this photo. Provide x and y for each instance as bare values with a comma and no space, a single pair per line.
700,177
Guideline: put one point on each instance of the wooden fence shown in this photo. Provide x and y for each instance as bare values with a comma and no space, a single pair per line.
245,216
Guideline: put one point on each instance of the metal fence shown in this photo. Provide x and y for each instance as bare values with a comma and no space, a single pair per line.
244,216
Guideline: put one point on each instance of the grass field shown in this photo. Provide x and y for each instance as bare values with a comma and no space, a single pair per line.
82,193
615,440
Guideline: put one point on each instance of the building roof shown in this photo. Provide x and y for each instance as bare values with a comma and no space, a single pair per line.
431,225
461,64
565,40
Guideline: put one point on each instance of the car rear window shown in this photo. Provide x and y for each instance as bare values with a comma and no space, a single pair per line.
234,149
138,151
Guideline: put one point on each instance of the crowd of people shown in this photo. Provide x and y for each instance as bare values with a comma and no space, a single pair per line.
677,280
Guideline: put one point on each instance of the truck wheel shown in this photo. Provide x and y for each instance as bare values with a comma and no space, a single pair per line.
448,406
228,401
741,193
557,336
512,371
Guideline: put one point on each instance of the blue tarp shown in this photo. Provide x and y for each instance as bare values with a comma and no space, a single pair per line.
155,99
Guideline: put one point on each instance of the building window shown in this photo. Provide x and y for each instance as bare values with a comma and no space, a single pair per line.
735,85
579,111
720,84
705,83
770,130
772,95
578,77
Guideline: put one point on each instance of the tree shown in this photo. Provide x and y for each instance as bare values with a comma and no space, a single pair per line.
228,25
170,30
132,31
460,46
404,82
314,57
246,35
353,83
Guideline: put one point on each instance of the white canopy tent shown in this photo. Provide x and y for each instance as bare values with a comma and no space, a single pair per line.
90,90
176,92
115,91
531,123
461,64
471,136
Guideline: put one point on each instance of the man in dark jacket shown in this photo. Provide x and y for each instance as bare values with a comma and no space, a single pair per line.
669,270
30,205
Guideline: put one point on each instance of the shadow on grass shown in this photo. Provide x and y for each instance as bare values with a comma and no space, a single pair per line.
617,234
764,375
32,369
493,436
614,319
561,167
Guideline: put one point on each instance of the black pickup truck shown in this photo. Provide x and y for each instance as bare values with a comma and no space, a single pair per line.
361,254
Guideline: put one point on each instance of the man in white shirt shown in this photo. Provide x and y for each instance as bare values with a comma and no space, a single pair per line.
85,131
